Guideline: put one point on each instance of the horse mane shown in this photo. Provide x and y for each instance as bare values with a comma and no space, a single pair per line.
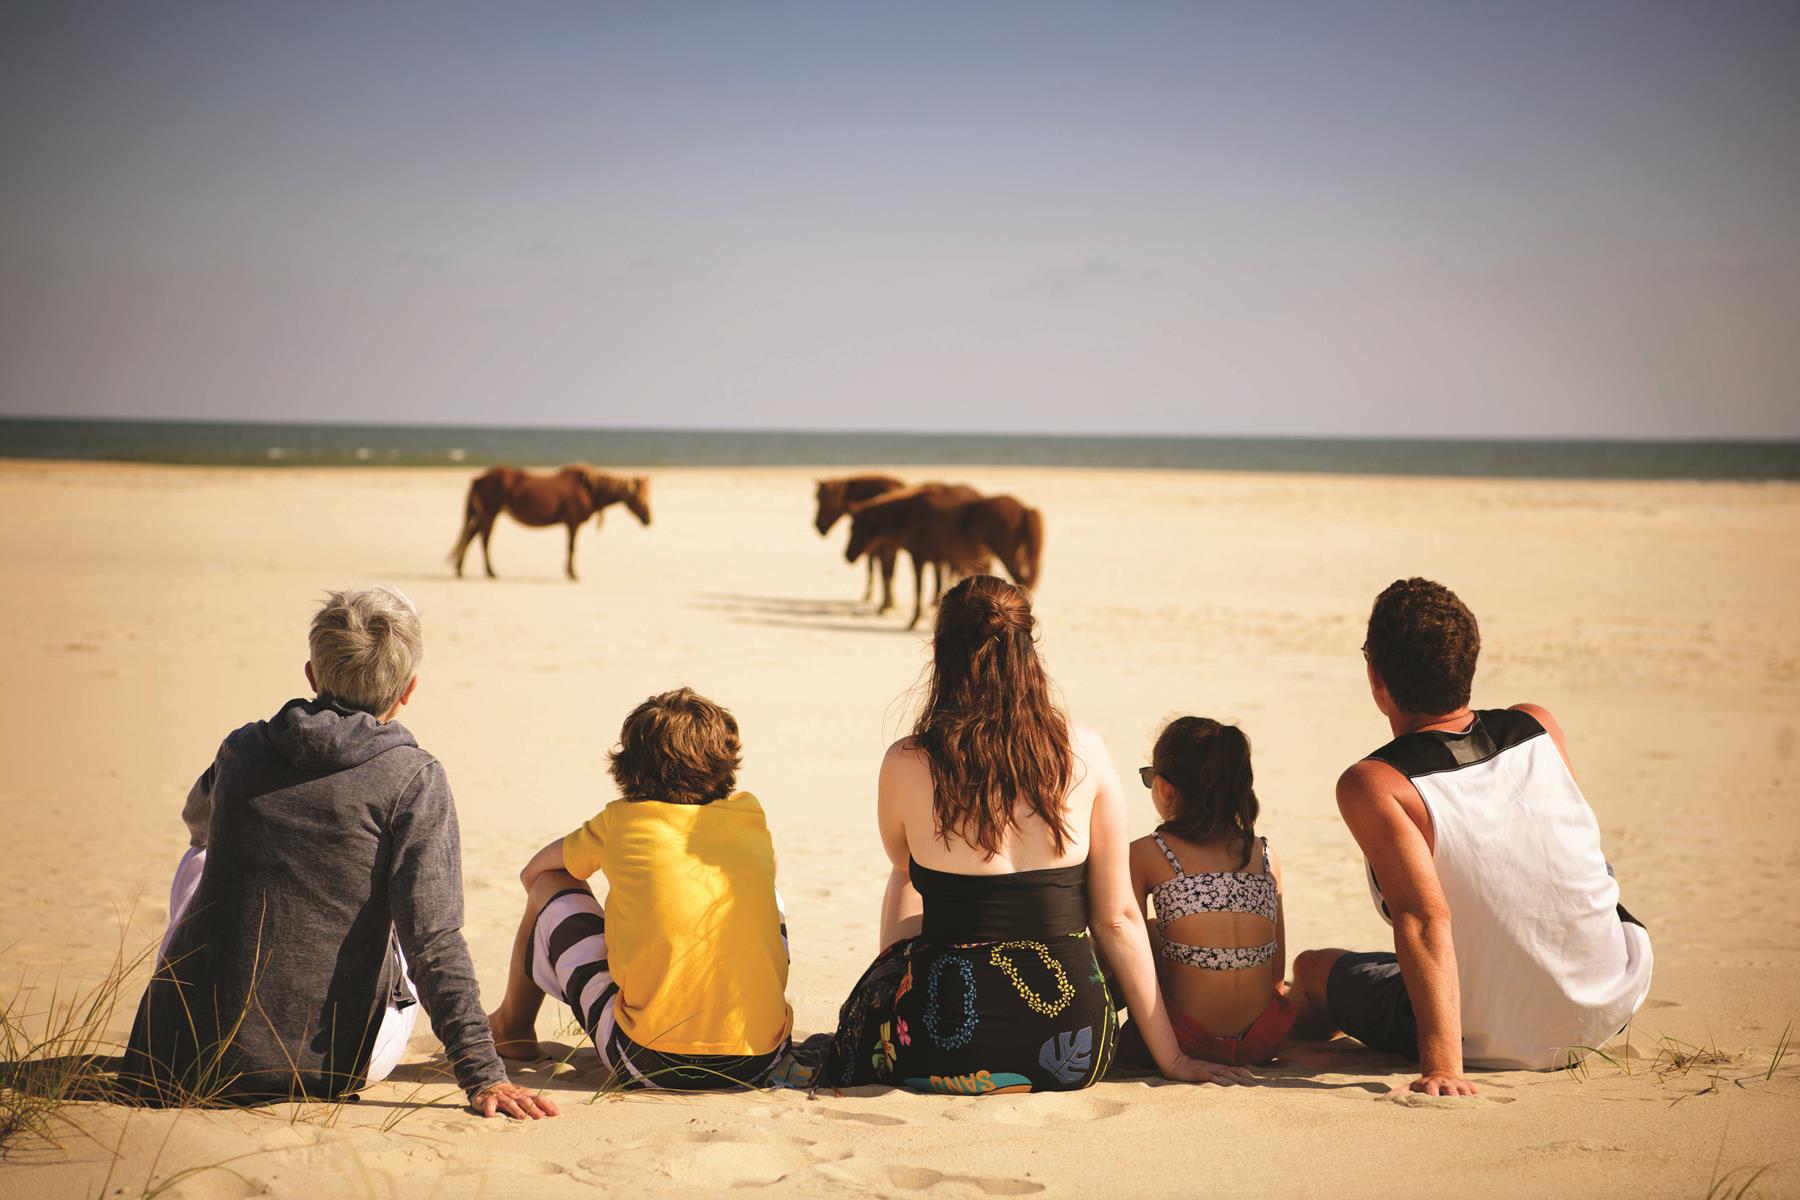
897,496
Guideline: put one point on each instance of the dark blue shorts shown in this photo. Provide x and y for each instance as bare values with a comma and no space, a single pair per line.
1367,999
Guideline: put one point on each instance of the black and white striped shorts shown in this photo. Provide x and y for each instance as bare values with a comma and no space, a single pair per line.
568,961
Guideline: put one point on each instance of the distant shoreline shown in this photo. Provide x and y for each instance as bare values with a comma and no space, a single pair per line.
204,443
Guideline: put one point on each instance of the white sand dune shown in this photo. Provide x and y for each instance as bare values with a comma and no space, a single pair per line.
150,610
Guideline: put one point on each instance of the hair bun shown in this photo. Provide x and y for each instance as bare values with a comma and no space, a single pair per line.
997,614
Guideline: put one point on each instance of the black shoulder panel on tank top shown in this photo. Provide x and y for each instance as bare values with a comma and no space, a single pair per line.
1433,752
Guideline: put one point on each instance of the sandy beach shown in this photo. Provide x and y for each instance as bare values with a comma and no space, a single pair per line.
149,610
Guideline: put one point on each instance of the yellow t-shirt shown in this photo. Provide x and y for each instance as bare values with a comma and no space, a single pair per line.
693,933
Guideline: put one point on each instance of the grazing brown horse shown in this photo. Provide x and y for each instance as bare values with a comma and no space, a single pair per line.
568,498
1012,531
923,521
835,496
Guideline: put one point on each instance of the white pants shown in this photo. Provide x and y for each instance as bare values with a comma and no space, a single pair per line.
396,1023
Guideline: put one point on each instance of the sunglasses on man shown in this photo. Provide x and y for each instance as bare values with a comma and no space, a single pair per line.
1147,774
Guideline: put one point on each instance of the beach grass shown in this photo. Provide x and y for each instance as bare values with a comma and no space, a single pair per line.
1736,1183
1676,1059
56,1052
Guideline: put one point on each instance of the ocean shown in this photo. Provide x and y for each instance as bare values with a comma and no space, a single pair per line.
227,444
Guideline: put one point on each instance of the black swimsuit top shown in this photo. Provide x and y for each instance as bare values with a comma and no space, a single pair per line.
1051,902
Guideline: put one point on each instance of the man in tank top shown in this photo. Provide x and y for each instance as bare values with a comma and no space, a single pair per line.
1511,949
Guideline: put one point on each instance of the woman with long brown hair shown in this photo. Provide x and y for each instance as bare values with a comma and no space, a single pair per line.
1006,829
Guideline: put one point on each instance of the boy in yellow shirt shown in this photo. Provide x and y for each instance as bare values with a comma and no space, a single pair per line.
681,978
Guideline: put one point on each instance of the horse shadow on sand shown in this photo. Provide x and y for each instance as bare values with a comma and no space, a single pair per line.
798,612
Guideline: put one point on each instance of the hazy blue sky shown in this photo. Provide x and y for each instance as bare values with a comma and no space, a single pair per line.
1354,217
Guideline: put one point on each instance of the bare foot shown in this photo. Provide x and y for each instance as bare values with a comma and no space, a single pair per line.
512,1040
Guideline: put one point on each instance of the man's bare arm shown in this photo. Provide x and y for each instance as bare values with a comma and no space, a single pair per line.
1401,860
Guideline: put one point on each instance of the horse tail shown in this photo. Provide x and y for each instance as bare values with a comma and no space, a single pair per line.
472,512
1034,542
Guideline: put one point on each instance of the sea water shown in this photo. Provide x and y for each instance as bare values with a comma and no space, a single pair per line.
218,443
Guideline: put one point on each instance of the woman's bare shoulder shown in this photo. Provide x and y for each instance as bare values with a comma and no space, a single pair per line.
906,749
1087,743
905,760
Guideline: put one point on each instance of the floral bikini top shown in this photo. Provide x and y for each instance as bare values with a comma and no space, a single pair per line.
1214,891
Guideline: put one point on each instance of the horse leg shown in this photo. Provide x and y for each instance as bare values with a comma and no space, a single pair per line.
474,516
889,556
869,583
570,565
918,592
487,531
470,524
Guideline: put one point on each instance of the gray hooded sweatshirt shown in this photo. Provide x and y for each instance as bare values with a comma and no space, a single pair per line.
327,834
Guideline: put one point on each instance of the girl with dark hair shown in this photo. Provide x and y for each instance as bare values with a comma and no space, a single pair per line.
1006,829
1221,943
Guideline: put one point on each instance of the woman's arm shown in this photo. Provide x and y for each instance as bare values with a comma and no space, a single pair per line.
902,910
1116,918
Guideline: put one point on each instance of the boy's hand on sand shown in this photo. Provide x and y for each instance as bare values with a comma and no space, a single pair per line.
1194,1070
1442,1083
514,1101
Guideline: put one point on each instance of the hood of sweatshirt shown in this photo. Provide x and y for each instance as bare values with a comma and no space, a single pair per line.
317,735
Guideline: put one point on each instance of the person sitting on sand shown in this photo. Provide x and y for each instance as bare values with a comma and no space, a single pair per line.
1005,828
1219,934
681,979
1511,949
320,838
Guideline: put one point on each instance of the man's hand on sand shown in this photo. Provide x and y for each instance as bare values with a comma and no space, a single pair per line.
1442,1084
514,1101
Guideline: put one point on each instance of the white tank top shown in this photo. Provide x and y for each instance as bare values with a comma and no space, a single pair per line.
1547,960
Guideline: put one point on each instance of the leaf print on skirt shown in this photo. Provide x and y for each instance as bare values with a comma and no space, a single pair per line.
1068,1056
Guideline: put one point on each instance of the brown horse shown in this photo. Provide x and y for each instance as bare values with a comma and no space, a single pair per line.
923,521
1012,531
835,496
568,498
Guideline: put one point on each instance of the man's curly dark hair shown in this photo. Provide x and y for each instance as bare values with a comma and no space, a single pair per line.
1423,642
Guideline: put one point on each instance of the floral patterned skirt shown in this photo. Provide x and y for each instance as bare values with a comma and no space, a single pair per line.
978,1018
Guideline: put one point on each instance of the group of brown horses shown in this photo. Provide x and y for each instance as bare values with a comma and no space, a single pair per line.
954,528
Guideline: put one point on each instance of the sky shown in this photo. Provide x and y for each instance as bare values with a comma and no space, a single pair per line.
1444,219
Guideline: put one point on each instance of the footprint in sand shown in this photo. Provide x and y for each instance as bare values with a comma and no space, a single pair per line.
861,1118
1042,1110
709,1160
403,1160
221,1184
919,1179
503,1166
1421,1100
